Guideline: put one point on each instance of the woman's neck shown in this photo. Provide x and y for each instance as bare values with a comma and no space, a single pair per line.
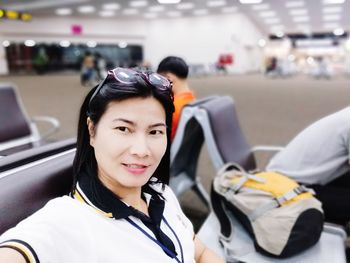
136,201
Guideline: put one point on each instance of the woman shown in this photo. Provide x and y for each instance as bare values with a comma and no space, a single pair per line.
120,208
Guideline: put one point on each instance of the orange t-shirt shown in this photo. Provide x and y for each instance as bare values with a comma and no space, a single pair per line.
180,101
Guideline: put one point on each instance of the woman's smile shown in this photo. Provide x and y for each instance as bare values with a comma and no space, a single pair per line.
136,169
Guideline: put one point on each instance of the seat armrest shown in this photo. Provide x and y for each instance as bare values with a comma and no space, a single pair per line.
263,154
51,120
335,229
267,148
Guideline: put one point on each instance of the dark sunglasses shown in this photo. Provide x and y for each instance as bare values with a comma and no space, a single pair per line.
129,76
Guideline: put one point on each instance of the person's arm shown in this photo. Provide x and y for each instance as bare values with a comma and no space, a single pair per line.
10,255
205,255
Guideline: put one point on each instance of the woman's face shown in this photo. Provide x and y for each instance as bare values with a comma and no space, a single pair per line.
129,142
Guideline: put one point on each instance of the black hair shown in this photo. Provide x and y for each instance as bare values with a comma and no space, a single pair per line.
116,91
174,65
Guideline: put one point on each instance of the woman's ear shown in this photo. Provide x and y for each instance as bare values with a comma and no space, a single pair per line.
91,128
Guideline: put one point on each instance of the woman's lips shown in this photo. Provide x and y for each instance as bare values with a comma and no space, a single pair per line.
135,168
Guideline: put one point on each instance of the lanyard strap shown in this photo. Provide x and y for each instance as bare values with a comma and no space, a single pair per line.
168,252
178,240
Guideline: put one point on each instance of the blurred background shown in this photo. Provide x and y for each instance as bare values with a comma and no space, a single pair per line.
286,63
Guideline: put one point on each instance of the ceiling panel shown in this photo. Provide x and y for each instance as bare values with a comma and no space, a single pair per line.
270,16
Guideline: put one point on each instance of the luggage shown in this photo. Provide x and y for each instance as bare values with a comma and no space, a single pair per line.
281,216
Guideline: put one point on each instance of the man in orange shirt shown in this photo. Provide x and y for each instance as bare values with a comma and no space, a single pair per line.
176,70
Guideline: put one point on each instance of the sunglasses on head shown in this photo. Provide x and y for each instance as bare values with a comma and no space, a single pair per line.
129,76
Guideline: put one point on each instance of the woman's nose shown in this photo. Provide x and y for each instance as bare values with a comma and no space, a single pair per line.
139,146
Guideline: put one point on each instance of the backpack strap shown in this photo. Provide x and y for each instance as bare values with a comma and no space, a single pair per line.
226,231
278,201
225,176
221,214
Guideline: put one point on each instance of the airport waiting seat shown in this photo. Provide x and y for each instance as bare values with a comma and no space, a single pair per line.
226,143
33,154
28,186
17,131
213,121
185,150
224,137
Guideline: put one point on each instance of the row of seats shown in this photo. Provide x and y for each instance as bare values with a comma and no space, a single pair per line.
17,130
30,178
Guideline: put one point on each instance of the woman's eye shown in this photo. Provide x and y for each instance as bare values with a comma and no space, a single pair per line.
157,132
123,129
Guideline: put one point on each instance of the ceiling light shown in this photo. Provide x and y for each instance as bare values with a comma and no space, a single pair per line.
331,25
111,6
277,28
262,42
333,17
272,20
29,43
332,9
291,57
138,3
301,19
64,43
130,11
279,34
338,31
156,8
216,3
165,2
267,14
122,44
86,9
304,28
229,9
6,43
261,7
174,14
63,11
310,60
298,12
185,6
332,2
200,12
249,2
293,4
106,13
91,44
150,15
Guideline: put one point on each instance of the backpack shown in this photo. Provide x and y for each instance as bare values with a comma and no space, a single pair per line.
282,217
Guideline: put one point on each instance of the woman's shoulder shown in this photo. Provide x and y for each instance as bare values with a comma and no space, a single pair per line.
59,203
57,210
